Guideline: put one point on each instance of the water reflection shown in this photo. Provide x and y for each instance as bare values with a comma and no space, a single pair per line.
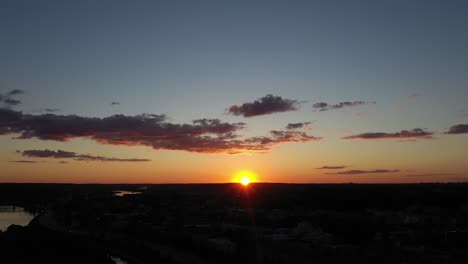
122,193
10,215
118,260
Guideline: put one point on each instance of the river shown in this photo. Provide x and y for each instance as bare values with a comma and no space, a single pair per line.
10,215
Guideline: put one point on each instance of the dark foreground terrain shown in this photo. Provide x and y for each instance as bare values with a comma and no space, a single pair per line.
229,223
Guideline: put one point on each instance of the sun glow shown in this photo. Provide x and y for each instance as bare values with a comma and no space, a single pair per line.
245,180
245,177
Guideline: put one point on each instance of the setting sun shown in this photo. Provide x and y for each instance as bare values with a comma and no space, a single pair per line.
245,177
245,180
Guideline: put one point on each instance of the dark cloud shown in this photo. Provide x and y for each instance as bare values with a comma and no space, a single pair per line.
331,167
320,105
404,134
61,154
202,135
15,92
7,99
8,120
458,129
268,104
291,126
354,172
115,103
12,102
324,106
8,115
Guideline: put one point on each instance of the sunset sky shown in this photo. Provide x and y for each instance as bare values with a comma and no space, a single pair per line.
196,91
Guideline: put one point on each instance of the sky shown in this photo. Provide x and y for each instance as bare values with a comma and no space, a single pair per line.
196,91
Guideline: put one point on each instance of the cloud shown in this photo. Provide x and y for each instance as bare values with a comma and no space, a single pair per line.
202,135
61,154
115,103
324,106
429,174
292,126
412,97
7,99
320,105
354,172
331,167
15,92
24,161
51,110
403,134
12,102
264,143
458,129
456,179
268,104
8,120
291,136
407,140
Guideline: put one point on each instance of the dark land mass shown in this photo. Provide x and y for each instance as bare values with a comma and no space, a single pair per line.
229,223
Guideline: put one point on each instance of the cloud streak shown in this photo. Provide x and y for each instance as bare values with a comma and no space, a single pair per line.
403,134
51,110
331,167
61,154
264,143
24,161
324,106
202,135
429,174
279,136
356,172
292,126
266,105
